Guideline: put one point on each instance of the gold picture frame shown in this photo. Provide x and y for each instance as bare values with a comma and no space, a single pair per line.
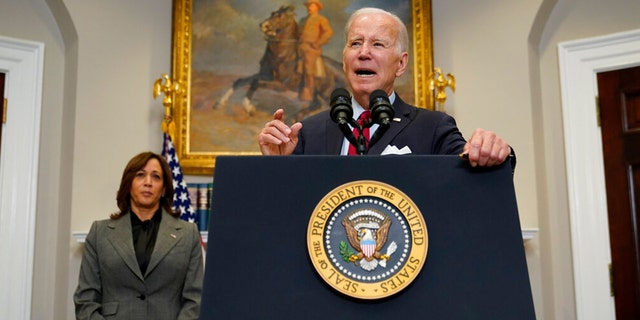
190,126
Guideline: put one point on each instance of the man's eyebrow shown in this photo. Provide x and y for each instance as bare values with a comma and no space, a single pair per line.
383,41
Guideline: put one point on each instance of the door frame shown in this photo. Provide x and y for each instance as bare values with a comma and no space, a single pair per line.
23,63
580,61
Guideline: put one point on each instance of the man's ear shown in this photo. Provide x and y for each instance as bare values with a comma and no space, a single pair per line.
402,64
344,65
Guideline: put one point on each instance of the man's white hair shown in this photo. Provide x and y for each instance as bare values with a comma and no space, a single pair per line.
403,42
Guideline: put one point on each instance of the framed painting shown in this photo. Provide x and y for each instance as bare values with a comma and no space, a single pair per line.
221,49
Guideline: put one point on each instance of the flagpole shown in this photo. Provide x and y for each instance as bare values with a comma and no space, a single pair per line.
181,198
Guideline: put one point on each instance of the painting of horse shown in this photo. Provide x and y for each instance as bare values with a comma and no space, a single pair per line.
280,68
244,65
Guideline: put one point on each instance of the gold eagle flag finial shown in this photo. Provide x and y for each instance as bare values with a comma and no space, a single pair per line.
164,85
438,83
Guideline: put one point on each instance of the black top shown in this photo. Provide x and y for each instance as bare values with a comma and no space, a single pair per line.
144,237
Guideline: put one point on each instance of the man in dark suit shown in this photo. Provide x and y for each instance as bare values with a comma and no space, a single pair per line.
375,54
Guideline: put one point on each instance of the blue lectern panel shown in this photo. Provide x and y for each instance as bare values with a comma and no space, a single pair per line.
257,264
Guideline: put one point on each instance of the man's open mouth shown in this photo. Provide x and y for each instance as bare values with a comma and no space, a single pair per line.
365,73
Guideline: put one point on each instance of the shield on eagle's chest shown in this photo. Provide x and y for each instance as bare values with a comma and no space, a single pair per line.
368,245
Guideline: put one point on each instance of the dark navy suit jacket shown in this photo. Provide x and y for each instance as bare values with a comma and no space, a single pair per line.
423,131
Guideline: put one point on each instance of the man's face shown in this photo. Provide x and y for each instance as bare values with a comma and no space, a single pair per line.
371,58
312,8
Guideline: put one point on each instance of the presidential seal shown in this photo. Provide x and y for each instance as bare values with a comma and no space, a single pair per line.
367,239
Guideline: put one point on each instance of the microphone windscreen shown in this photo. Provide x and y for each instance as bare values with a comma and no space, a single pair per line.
340,92
377,94
341,110
380,106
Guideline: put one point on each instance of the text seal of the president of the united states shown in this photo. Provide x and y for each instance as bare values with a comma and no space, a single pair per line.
367,239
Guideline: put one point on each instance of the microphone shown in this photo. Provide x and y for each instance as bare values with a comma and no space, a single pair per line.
341,110
380,106
342,114
381,113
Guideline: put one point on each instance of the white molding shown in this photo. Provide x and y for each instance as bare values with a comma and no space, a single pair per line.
527,234
80,236
580,61
22,61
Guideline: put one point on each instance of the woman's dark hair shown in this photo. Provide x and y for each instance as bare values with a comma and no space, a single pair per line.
136,164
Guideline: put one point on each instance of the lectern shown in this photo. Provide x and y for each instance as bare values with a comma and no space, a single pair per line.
259,266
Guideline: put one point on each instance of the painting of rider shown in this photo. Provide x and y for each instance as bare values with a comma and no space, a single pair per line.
249,58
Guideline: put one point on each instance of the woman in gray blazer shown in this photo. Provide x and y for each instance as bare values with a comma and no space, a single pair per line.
143,262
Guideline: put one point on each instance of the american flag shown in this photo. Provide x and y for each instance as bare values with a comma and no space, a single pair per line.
181,200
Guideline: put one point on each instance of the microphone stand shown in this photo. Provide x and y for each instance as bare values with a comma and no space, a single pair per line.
382,128
360,143
361,146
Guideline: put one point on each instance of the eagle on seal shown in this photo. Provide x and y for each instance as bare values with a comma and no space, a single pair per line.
367,243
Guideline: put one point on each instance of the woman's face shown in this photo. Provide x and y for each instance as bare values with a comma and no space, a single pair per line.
147,187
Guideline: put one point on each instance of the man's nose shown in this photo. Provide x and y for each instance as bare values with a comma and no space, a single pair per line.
365,51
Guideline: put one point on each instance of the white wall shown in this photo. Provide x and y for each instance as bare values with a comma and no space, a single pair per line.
124,46
103,56
485,46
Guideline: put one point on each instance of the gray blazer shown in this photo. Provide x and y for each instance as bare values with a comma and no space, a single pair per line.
111,286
